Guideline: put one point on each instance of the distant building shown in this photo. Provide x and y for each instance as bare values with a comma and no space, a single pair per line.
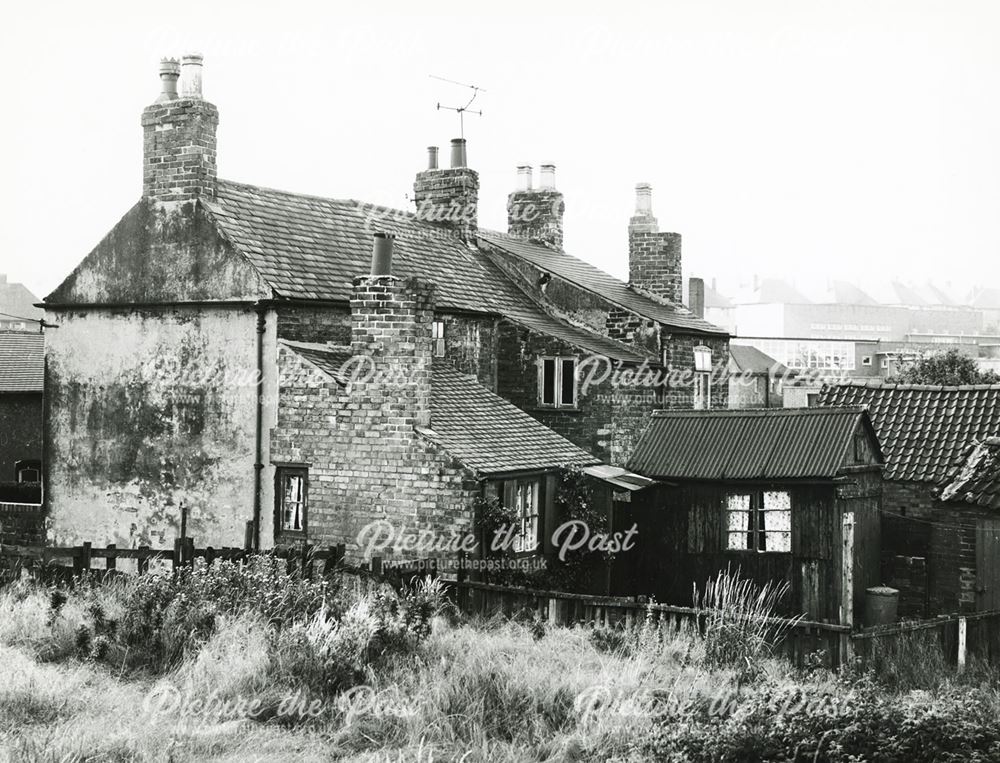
17,307
755,379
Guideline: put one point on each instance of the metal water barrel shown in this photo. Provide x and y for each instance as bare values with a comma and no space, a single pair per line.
881,605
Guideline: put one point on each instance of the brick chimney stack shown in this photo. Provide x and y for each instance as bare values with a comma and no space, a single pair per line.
391,323
449,196
179,136
536,214
654,258
696,296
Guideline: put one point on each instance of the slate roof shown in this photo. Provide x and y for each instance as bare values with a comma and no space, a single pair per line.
479,428
593,279
925,431
22,362
751,444
977,481
490,435
309,247
747,358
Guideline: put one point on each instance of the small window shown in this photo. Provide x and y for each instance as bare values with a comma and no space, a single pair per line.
860,449
866,360
526,495
437,335
557,382
292,500
759,522
702,391
885,362
28,471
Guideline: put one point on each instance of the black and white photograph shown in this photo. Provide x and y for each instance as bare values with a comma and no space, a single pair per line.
527,381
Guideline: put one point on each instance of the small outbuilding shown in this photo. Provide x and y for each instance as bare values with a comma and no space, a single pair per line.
770,492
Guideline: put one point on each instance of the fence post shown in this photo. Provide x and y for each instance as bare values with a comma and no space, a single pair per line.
377,565
178,554
307,561
554,611
143,565
847,588
962,633
209,556
111,561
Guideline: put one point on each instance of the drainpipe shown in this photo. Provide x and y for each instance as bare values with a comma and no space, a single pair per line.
258,466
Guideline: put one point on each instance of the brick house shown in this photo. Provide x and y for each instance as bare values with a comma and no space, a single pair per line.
941,497
763,491
175,373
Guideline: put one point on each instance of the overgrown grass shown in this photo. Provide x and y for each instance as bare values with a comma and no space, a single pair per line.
393,679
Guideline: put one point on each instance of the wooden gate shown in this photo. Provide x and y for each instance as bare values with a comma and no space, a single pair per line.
988,565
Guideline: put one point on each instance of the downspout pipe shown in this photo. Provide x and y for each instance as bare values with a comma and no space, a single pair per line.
258,466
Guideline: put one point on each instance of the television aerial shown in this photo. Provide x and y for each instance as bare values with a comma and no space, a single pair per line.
461,110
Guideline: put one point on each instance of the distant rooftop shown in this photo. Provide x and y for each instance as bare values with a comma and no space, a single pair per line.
17,301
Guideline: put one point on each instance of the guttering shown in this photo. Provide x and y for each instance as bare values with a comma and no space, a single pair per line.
258,466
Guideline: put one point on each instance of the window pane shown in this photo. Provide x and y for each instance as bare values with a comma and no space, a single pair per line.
549,381
568,382
777,541
738,522
737,541
777,500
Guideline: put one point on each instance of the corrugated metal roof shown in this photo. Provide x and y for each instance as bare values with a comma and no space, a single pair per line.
593,279
22,362
925,430
793,443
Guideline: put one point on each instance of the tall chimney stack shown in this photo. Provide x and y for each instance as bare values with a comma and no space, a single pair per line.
696,296
179,136
449,197
654,258
536,214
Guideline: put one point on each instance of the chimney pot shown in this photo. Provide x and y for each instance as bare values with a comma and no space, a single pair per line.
458,157
524,177
170,70
643,199
191,68
382,254
432,157
547,179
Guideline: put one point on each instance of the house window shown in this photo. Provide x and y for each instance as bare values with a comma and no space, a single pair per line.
557,382
885,362
28,471
760,521
437,335
702,392
292,499
866,360
525,500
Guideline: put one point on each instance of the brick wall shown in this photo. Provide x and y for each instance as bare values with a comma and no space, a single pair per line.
179,149
944,534
654,263
679,358
471,346
449,197
366,461
21,525
319,324
536,215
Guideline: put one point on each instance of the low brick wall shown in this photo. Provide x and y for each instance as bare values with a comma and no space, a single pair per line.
22,524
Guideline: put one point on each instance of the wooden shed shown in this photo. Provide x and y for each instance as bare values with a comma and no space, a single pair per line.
772,492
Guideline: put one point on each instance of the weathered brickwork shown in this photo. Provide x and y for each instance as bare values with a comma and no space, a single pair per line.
179,149
655,263
944,534
449,197
679,358
366,461
537,215
327,324
470,346
609,418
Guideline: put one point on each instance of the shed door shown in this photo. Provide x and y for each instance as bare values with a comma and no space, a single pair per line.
988,565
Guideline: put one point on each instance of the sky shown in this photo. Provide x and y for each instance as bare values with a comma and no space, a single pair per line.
801,139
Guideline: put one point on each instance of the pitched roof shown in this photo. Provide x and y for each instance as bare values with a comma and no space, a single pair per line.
17,301
925,430
748,358
752,444
312,248
479,428
22,362
977,481
490,435
593,279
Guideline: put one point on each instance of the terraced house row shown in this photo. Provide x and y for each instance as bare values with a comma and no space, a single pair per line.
307,365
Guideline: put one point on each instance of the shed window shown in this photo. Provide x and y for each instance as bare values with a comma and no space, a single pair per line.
557,382
293,484
759,521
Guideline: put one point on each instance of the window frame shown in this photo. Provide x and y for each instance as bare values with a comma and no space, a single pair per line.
701,399
280,473
527,495
756,522
438,332
25,465
558,401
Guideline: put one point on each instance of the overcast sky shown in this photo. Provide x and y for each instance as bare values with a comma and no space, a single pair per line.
855,140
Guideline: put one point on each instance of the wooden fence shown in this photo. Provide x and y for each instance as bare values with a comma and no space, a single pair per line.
830,644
